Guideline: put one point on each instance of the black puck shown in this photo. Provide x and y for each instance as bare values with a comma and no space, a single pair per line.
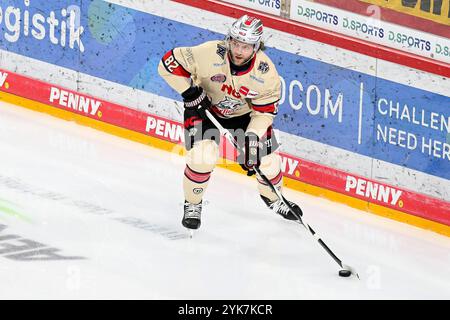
344,273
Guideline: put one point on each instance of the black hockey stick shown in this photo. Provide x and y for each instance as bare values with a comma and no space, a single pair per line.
346,269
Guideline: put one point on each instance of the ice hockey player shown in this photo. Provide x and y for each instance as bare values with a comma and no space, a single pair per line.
238,83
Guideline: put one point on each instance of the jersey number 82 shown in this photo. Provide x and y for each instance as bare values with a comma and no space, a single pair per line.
171,63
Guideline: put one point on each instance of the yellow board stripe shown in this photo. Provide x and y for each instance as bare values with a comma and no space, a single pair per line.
169,146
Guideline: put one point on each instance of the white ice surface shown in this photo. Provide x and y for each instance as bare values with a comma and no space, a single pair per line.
72,188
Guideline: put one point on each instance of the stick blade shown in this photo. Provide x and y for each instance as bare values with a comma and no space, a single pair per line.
351,270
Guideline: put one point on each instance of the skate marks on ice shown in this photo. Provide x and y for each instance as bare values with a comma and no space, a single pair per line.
87,207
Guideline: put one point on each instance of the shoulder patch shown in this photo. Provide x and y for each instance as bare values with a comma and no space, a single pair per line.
221,51
263,67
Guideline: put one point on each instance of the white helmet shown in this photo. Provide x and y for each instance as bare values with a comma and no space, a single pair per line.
248,30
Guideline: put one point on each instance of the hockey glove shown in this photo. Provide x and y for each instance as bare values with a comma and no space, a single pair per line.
251,157
195,98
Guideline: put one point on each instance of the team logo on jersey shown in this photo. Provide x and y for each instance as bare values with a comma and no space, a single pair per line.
221,51
221,78
227,106
263,67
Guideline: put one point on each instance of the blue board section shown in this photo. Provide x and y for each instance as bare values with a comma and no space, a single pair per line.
374,117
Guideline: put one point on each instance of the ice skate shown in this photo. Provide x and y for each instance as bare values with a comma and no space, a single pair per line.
279,207
191,219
